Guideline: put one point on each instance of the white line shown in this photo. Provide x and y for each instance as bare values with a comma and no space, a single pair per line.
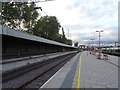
51,77
54,75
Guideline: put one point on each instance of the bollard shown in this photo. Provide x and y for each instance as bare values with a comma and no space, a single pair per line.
106,57
95,53
99,56
90,52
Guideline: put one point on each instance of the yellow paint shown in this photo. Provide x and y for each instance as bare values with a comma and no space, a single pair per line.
79,69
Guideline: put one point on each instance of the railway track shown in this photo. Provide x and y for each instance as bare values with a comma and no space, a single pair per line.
34,76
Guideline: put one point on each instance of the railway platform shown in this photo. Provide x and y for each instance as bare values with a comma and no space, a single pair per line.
86,71
11,64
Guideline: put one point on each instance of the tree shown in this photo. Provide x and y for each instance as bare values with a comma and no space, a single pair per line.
63,36
10,15
76,44
47,27
69,41
18,13
30,15
15,13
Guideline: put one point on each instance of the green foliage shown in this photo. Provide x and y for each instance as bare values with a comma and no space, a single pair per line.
69,42
10,15
63,35
76,44
30,15
13,15
47,27
64,39
16,14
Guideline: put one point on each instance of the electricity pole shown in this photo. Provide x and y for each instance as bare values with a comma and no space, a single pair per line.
92,41
99,36
99,56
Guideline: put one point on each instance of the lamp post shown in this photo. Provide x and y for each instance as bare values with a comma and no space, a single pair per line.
92,48
99,55
92,41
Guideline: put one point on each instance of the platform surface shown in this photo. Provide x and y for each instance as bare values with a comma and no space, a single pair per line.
97,73
85,71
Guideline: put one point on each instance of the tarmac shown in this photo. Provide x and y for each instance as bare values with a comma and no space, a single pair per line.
86,71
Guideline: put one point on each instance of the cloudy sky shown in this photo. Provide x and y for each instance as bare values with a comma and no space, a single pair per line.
84,17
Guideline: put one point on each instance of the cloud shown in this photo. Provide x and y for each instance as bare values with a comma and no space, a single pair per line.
84,17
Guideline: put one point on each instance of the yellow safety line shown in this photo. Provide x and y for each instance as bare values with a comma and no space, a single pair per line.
79,68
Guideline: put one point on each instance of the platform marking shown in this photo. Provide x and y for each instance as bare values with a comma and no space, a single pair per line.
51,77
79,69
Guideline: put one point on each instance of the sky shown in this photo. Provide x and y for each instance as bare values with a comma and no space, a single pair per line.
81,18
